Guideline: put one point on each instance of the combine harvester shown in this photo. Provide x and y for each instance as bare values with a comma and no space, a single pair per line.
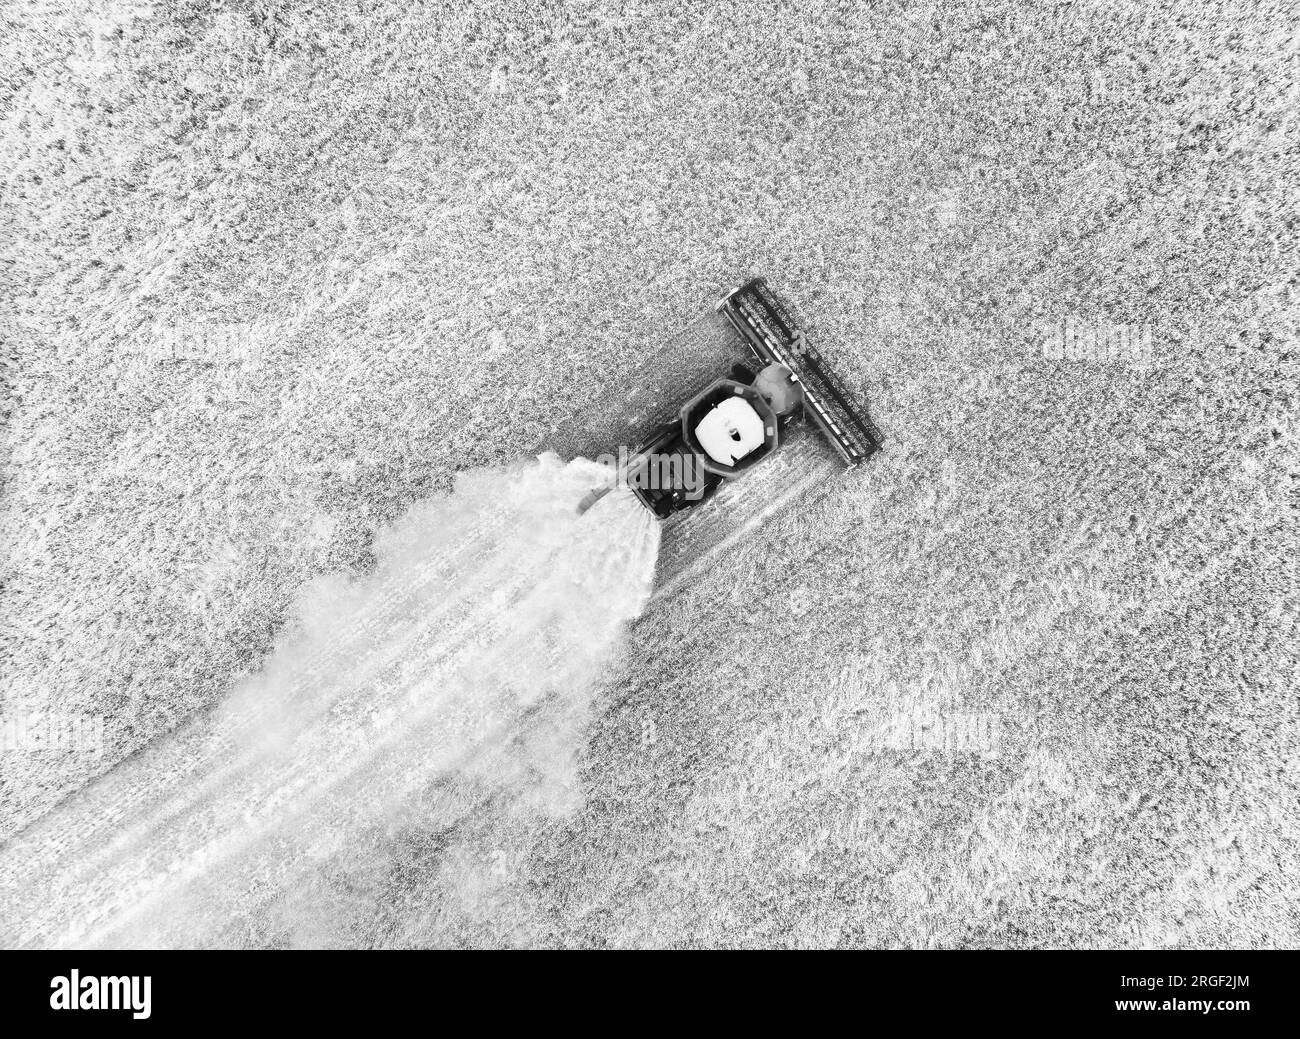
749,420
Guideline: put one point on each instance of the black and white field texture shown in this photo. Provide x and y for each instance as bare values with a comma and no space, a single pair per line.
302,644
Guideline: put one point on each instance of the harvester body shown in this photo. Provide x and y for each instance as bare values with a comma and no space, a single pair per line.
736,422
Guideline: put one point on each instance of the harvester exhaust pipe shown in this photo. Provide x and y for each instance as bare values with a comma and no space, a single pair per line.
591,497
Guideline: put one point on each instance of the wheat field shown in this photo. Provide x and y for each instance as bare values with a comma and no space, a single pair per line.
276,272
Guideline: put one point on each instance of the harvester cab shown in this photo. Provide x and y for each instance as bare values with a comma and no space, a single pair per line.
737,421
